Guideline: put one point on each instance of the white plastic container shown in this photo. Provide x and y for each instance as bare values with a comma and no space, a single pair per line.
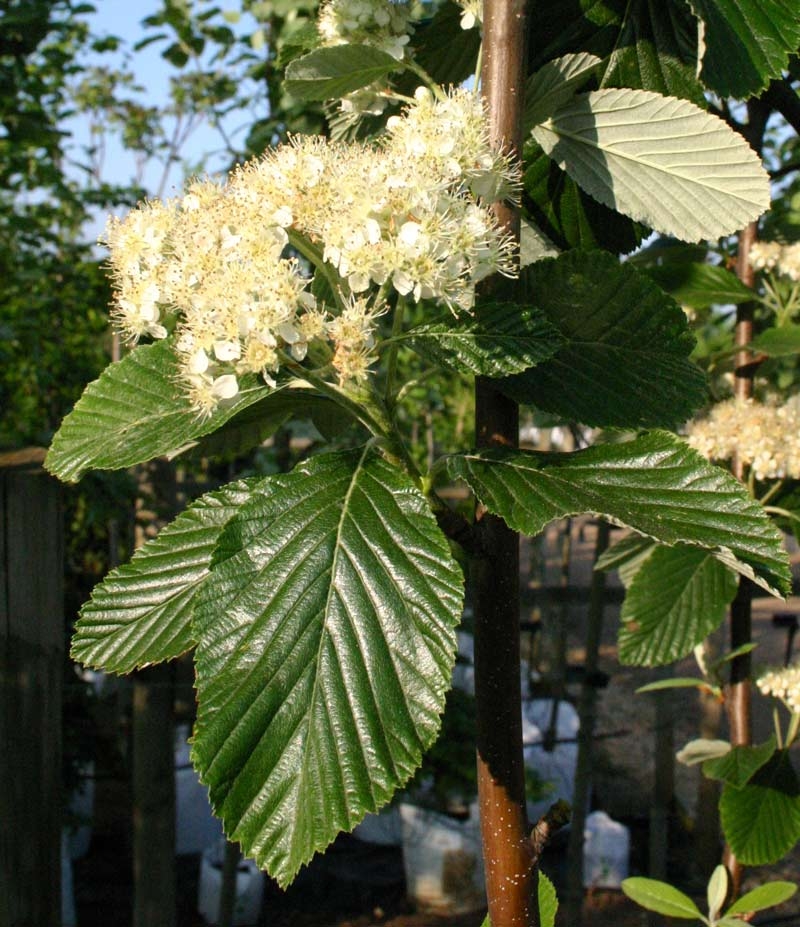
606,850
196,828
556,766
442,861
249,887
383,829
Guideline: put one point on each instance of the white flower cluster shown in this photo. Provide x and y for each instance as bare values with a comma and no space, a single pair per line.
382,24
782,683
772,255
472,14
406,213
765,436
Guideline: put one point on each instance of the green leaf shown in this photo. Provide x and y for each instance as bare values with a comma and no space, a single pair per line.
700,285
500,338
700,750
747,43
621,145
650,46
660,897
761,821
737,767
141,612
548,901
626,357
555,84
781,341
764,896
446,51
567,215
677,598
261,420
626,556
676,682
330,73
326,641
135,411
717,891
655,484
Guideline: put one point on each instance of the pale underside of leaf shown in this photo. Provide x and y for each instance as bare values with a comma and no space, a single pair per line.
655,484
660,160
141,612
326,643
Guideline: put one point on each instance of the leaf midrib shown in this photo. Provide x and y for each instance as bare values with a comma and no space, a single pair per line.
549,126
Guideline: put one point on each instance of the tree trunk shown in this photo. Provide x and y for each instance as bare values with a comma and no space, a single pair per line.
508,851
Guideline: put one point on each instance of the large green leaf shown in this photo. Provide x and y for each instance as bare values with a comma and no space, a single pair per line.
567,215
326,640
446,51
738,766
141,613
135,411
655,484
761,821
747,43
647,44
622,145
500,338
626,357
330,73
676,599
660,897
700,285
780,341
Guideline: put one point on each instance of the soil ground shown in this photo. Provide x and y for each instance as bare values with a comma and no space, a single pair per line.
360,885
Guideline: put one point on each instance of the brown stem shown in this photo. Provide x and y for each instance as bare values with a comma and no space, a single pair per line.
737,692
508,851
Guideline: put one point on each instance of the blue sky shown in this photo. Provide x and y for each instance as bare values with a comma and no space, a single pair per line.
123,18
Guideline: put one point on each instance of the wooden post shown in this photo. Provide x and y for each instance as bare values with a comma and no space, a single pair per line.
31,656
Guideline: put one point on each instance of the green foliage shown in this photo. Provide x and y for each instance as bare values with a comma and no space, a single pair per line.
676,599
748,42
643,45
548,902
134,412
761,820
665,899
322,603
661,897
737,767
699,285
642,484
626,346
325,646
141,613
501,339
332,72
